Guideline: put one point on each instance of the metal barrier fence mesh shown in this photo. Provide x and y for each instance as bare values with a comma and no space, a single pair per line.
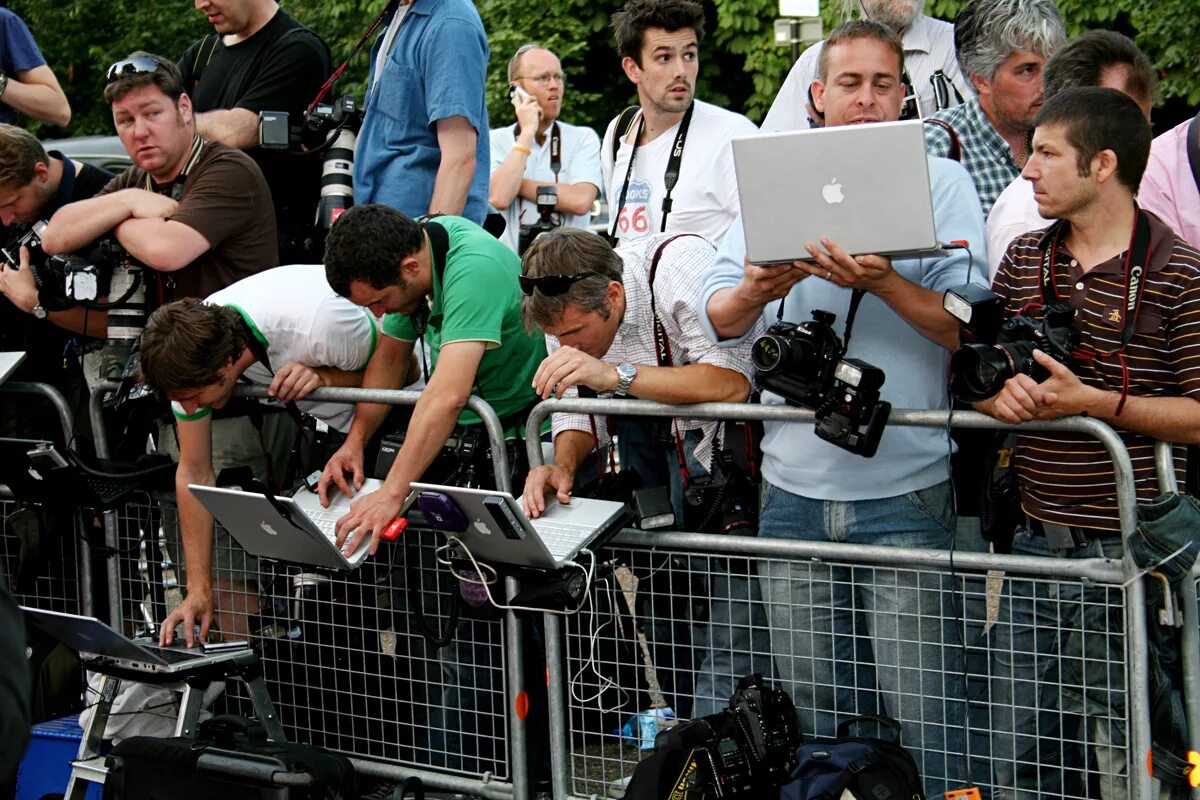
40,557
344,657
1013,684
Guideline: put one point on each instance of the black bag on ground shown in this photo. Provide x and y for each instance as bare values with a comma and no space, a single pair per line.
869,768
230,758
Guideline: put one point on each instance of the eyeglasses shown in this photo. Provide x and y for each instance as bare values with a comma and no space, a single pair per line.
545,78
553,285
134,65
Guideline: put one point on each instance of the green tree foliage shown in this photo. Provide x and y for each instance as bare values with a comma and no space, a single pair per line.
741,68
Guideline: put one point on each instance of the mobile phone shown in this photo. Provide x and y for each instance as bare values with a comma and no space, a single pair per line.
516,92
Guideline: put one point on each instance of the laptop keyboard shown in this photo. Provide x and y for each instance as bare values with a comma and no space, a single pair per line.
324,520
562,539
172,655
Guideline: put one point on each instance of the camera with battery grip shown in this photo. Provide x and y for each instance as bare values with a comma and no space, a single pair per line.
805,364
547,199
746,750
996,348
103,269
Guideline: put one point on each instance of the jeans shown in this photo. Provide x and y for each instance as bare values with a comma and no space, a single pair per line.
709,628
869,639
1058,681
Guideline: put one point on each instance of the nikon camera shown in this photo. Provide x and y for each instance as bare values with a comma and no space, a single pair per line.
547,199
997,349
747,750
805,365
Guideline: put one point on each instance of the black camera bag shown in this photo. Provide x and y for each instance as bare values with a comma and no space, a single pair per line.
866,767
230,757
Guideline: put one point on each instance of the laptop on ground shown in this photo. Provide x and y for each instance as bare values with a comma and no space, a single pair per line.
495,529
304,536
94,639
866,187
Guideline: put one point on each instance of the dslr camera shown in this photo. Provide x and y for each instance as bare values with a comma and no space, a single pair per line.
330,129
547,199
999,348
805,364
724,501
749,749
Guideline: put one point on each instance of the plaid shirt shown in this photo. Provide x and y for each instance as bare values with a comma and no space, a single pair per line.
987,157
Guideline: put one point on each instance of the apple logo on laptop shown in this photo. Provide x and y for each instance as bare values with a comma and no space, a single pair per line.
483,528
267,528
832,192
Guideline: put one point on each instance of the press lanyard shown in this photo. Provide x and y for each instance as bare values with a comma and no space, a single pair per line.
555,153
1136,261
670,177
164,283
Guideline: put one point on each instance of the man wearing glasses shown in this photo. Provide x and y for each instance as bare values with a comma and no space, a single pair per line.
197,212
597,307
540,150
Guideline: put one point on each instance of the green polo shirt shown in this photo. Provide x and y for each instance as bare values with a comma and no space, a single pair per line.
478,299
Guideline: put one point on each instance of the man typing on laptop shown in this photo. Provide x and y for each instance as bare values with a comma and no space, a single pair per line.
283,328
901,497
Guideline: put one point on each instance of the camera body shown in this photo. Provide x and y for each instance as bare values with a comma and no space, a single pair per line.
722,501
547,199
747,749
331,128
996,352
805,364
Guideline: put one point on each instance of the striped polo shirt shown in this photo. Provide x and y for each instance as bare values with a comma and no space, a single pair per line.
1067,478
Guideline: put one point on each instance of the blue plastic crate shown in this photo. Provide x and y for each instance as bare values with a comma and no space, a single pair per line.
46,767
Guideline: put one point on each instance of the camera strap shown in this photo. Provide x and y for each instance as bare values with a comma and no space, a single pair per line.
387,12
439,248
165,284
1137,259
555,147
670,177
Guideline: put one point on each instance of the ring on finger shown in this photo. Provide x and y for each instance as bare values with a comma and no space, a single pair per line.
828,274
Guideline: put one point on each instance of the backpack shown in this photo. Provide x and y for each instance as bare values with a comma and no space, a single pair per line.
868,768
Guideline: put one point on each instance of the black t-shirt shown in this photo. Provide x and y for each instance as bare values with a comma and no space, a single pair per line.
280,68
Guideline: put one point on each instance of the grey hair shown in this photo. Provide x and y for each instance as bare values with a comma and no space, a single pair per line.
986,32
848,9
514,63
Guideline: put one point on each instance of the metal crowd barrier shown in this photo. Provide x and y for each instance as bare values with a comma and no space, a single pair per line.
1190,632
574,766
321,662
66,583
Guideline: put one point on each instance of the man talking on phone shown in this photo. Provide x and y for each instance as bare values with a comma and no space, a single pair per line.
541,151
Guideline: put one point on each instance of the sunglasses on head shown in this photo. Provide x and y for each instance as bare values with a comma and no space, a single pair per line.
553,285
134,65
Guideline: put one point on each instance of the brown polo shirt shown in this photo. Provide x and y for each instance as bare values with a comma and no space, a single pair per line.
226,200
1067,478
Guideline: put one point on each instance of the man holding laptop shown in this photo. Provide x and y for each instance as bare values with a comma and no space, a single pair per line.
815,491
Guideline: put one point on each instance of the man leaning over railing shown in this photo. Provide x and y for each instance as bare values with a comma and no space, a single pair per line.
1133,289
901,497
597,307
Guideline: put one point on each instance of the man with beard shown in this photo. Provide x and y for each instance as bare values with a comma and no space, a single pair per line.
929,64
541,150
671,134
1002,47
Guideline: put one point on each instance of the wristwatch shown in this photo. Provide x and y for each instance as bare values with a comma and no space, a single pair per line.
626,372
39,311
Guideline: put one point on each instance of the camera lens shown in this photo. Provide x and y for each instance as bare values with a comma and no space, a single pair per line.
978,371
771,353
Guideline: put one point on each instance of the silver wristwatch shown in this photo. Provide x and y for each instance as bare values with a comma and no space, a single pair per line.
626,372
39,311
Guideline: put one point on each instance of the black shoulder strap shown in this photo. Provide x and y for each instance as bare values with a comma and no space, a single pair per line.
955,151
1193,148
439,247
212,40
256,348
621,129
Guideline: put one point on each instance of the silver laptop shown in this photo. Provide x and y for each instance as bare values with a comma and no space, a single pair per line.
9,361
866,187
497,531
304,536
94,639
